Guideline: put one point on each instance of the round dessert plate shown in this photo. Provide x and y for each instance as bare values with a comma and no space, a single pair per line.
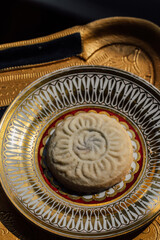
32,118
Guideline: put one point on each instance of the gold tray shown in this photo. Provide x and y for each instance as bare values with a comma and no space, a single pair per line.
126,43
32,117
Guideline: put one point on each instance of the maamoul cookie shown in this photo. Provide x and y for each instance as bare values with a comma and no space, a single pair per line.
89,152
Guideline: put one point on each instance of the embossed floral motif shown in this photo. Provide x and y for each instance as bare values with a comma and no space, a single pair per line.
90,142
109,192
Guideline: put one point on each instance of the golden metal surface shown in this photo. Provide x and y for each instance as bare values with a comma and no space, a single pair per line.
125,43
6,234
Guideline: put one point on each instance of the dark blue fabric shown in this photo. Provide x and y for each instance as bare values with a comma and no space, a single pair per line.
57,49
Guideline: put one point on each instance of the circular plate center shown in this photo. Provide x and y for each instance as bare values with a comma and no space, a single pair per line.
109,194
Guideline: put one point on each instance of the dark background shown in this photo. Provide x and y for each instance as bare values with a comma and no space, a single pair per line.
26,19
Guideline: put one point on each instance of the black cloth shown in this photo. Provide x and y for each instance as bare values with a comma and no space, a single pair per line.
56,49
2,111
